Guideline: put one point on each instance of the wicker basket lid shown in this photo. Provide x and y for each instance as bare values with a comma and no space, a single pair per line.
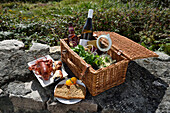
127,47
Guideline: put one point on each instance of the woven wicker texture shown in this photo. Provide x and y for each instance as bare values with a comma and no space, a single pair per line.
100,80
129,48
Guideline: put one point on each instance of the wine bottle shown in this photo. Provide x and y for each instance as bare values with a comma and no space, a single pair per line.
87,32
72,38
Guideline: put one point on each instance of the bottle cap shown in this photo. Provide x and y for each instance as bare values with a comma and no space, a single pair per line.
90,13
70,23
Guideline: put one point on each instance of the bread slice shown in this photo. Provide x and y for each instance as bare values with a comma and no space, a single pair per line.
77,91
70,92
61,91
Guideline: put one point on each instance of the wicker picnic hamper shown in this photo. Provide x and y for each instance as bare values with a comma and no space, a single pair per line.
103,79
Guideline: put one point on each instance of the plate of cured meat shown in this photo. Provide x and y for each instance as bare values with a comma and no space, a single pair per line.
47,70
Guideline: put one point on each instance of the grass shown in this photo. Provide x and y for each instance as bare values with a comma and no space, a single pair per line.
44,11
48,22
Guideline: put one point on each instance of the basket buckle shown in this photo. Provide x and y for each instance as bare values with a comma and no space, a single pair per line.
84,71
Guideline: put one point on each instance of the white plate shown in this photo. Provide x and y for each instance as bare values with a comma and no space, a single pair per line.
43,82
66,101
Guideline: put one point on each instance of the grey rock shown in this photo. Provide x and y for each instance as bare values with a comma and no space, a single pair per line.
28,95
82,107
6,105
157,67
1,91
55,49
158,84
13,63
163,56
11,44
164,106
17,89
26,103
39,46
108,110
38,93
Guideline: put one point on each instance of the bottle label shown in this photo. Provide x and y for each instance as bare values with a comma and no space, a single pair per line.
87,31
71,36
87,34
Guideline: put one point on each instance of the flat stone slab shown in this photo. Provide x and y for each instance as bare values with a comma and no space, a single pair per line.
162,56
157,66
28,95
39,46
11,44
55,49
81,107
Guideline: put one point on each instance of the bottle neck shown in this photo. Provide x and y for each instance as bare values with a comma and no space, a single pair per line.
89,20
71,29
71,32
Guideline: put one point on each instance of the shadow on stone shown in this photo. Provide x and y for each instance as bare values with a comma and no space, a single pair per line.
36,86
6,105
141,92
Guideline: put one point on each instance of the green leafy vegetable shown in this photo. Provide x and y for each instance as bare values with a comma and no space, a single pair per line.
95,61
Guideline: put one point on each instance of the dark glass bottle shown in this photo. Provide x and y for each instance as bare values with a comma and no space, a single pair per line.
72,38
87,32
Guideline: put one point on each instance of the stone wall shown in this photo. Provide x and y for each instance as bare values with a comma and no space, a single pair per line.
146,88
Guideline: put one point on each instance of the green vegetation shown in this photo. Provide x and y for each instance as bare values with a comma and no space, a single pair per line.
144,22
95,61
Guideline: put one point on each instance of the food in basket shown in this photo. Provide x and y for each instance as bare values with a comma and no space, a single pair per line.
76,91
71,81
43,67
96,61
107,60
